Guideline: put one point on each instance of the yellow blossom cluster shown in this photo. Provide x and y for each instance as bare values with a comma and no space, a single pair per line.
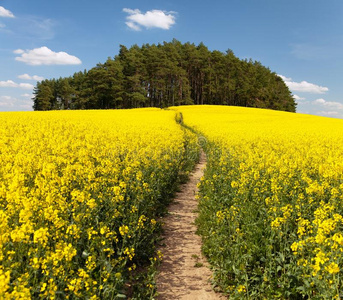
80,192
271,201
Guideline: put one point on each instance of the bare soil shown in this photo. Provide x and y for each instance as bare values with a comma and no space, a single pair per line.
184,272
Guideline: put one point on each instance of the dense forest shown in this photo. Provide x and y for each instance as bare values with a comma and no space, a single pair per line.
165,75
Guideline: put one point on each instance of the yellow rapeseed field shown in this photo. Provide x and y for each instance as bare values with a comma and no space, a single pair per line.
271,211
79,194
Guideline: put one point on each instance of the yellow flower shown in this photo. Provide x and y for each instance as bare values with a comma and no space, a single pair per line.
241,289
123,230
332,268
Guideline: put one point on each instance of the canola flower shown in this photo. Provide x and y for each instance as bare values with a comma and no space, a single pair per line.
271,201
79,196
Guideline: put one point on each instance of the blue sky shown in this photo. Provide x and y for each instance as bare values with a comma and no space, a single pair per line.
301,40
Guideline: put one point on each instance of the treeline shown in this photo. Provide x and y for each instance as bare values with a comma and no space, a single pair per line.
165,75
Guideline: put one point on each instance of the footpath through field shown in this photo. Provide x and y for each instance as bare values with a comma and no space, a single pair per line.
184,272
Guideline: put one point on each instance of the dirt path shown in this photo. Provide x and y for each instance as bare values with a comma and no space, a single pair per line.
184,272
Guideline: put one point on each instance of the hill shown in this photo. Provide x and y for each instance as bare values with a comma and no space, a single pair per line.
165,75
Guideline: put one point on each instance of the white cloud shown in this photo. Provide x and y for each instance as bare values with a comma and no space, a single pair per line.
5,98
329,104
319,101
26,95
10,83
25,106
133,26
284,78
19,51
26,86
328,113
28,77
151,19
45,56
6,101
298,98
5,13
9,103
304,86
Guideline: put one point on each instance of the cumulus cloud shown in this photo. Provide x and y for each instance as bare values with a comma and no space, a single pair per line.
28,77
304,86
7,101
284,78
5,98
5,13
298,98
10,83
151,19
307,87
329,104
328,113
26,86
19,51
45,56
26,95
